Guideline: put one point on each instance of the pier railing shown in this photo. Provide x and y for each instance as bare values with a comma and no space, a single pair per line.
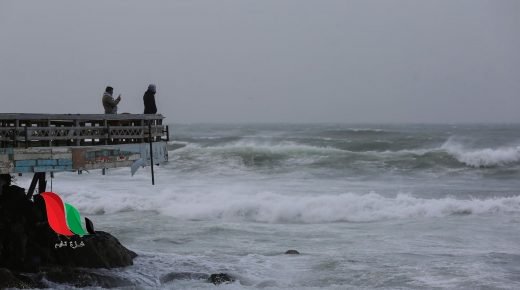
55,130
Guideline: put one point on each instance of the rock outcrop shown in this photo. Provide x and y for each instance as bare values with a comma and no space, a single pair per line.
9,279
28,245
217,279
220,278
292,252
101,250
170,277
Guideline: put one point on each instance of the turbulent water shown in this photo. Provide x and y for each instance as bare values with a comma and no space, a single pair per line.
371,206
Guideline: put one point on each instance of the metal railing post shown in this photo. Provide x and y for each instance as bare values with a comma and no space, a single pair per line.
151,151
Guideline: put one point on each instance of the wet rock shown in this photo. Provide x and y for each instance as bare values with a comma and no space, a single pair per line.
292,252
9,279
28,243
101,250
183,276
17,227
220,278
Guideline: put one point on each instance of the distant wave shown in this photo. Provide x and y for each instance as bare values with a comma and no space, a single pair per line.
451,154
355,132
366,130
278,147
175,145
288,147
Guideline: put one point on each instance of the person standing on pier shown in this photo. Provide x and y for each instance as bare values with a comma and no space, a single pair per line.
149,100
109,103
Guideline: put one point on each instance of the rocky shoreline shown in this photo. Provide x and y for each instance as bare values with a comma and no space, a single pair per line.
32,255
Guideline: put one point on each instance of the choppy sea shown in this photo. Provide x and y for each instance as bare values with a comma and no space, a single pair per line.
367,206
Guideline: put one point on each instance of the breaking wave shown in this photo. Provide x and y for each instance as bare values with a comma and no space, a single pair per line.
450,154
286,147
275,208
486,157
235,204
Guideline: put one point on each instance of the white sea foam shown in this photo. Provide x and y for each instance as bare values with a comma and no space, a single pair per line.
241,202
482,157
275,208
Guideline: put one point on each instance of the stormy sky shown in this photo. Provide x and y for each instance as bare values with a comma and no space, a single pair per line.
266,60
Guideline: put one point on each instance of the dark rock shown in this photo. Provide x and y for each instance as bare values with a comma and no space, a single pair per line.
9,279
84,278
220,278
16,224
183,276
28,243
292,252
101,250
90,226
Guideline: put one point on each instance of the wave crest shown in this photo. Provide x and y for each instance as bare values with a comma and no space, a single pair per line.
486,157
268,207
451,154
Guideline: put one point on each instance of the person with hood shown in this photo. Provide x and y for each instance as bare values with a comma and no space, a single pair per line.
109,103
149,100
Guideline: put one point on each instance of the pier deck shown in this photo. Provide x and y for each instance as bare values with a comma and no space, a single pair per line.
68,142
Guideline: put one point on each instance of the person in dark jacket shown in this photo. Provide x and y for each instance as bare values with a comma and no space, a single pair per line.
109,103
149,100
